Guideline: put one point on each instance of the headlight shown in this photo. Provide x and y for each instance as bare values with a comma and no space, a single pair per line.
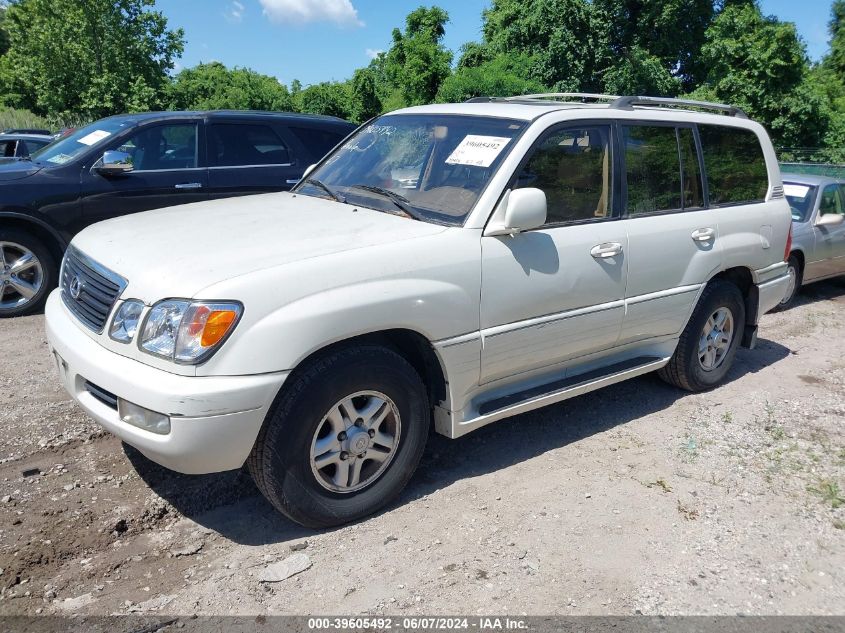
124,326
188,332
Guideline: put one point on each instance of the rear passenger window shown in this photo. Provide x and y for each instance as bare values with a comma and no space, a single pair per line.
235,145
574,169
653,168
317,141
736,167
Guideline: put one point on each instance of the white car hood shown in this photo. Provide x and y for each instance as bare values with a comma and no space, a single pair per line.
178,251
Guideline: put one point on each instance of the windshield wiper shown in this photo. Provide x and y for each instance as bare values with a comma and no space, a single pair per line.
399,200
321,185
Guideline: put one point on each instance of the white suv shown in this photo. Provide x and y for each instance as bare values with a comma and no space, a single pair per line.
450,263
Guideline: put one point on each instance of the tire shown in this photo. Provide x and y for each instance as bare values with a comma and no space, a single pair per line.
794,268
282,464
42,273
687,369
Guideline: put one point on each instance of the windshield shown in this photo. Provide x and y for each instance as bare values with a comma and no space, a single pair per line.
429,167
800,198
69,147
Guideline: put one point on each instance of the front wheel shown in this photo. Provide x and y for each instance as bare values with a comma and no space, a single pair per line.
27,273
708,345
343,438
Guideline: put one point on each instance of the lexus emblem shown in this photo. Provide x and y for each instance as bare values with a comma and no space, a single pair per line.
75,287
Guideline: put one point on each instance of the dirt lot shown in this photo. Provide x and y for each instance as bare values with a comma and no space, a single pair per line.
638,498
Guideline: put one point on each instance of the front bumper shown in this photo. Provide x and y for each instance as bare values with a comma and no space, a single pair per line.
213,420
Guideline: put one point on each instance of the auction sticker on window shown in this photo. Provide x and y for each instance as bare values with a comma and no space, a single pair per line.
477,151
796,191
94,137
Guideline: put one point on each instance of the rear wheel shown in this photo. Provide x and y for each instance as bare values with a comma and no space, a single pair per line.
343,438
708,345
27,273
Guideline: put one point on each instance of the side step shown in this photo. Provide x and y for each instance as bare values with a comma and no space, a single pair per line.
536,397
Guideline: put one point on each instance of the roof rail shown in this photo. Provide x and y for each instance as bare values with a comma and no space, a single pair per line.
617,102
548,95
628,103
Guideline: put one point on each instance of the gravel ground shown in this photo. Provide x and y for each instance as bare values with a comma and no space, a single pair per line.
635,499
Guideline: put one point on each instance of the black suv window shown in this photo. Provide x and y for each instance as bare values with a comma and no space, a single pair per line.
237,145
573,166
736,167
163,147
317,141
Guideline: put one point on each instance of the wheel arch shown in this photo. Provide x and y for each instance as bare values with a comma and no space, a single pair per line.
41,230
742,278
410,344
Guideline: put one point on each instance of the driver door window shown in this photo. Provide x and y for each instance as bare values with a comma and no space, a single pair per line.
574,169
831,201
163,147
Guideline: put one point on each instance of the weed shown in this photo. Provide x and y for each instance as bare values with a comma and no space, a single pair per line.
829,492
839,525
727,417
690,514
661,483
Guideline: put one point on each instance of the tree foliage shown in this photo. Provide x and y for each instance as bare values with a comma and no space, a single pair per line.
213,86
94,57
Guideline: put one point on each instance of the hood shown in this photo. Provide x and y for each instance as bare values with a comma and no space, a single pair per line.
16,169
178,251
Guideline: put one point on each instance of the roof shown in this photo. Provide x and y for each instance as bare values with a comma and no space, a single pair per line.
25,137
246,114
809,179
531,107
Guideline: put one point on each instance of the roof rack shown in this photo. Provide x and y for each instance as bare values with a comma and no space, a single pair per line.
628,103
617,102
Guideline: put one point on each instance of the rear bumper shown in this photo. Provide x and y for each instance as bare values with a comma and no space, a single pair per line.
214,420
770,294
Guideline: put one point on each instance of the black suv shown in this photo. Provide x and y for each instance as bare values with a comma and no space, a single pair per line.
131,163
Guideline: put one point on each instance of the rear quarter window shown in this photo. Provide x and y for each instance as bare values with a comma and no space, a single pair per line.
736,167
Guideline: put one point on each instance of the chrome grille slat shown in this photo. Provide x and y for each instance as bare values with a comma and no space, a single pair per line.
99,289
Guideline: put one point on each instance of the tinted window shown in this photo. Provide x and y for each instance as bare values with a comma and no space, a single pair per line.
736,168
33,146
693,193
163,147
574,168
831,201
7,148
653,167
317,141
234,145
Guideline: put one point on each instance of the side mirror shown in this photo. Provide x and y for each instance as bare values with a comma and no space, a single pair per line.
115,163
830,219
525,209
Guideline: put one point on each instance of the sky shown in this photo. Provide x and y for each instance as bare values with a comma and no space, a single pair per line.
323,40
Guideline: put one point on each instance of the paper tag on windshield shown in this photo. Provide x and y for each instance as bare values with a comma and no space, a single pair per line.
94,137
478,151
796,191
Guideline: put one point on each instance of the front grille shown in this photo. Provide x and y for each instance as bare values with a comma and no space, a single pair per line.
106,397
89,290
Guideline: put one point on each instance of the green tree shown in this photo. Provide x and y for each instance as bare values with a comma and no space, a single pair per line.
329,97
760,64
556,35
651,46
417,61
4,34
88,57
503,76
213,86
364,101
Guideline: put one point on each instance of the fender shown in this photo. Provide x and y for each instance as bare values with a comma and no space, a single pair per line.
60,241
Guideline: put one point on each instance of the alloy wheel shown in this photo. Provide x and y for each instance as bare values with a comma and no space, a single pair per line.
21,275
716,339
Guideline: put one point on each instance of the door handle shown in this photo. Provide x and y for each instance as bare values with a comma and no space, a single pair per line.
606,250
703,235
292,181
189,185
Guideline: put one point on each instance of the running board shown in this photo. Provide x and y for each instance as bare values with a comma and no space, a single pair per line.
537,397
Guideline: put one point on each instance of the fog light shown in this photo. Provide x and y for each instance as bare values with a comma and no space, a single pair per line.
143,418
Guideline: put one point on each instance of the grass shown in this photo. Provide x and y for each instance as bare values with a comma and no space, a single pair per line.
829,492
